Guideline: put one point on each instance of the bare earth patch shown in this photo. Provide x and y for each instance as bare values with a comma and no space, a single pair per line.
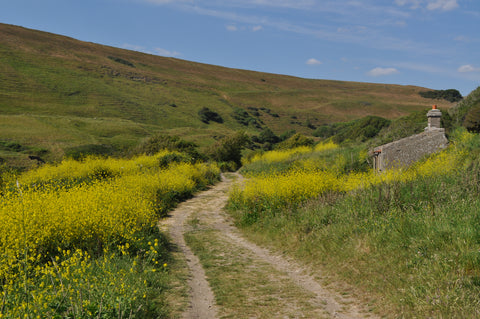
249,281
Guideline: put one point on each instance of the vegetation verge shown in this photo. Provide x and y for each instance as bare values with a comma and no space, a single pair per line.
408,241
80,239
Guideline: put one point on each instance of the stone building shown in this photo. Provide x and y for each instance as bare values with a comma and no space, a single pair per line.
408,150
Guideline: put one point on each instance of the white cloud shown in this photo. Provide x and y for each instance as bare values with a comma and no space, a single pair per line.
313,61
468,68
232,28
462,38
166,1
378,71
354,29
414,4
257,28
156,51
135,47
421,67
164,52
466,39
292,4
444,5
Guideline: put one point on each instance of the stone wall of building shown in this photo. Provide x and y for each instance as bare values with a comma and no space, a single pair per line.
408,150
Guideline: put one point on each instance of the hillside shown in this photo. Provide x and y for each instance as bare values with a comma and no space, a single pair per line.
57,93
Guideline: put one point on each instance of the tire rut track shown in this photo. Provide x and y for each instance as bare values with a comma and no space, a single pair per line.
208,208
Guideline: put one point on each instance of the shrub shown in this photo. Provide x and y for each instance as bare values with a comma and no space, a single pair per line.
242,117
169,158
296,140
207,115
472,119
159,142
357,130
122,61
450,95
287,134
229,149
267,136
11,146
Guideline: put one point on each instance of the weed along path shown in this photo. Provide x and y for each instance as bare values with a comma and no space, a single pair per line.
230,277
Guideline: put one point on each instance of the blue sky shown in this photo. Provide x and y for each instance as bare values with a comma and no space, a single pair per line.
430,43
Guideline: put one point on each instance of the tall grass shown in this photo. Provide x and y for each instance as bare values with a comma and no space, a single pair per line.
407,240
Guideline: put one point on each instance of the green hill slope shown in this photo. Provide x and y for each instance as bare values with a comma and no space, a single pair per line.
57,92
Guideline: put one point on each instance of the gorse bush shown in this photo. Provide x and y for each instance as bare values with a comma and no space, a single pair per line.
80,239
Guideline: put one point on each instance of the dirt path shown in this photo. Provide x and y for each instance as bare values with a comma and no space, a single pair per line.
205,212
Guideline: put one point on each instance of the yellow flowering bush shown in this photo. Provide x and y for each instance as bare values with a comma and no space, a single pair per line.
314,175
326,146
80,170
417,227
280,155
53,233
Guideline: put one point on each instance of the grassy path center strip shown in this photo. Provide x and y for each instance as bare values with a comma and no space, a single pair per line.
247,281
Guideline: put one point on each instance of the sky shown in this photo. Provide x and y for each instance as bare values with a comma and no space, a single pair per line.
428,43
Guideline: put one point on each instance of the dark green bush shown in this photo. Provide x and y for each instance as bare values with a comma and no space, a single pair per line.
11,146
168,159
207,115
287,134
159,142
450,95
242,117
229,149
122,61
100,173
267,136
472,118
295,141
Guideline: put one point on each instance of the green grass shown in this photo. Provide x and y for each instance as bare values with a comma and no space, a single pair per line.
72,93
410,248
246,287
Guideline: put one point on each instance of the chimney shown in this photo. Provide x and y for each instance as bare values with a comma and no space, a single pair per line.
434,116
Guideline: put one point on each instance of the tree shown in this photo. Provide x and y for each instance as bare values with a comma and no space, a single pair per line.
267,136
229,149
450,95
